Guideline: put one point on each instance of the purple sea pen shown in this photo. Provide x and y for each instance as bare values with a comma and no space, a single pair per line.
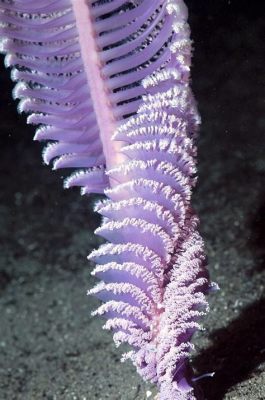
108,83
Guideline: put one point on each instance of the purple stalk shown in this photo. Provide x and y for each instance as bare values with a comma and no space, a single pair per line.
107,82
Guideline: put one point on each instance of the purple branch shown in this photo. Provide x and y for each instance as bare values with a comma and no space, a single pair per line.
108,83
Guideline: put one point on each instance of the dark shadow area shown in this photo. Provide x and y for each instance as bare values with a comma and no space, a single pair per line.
225,8
236,352
5,279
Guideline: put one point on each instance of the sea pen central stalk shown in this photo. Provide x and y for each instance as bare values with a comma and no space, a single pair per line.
98,90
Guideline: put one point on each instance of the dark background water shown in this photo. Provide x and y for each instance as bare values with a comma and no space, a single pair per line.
50,347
